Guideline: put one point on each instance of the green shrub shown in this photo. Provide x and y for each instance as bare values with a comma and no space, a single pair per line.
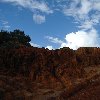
14,39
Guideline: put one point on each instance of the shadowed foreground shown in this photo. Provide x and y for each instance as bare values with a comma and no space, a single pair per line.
30,73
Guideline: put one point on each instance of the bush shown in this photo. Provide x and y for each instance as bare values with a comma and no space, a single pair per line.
16,38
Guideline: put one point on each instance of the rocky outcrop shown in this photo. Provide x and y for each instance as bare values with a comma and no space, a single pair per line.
88,56
33,68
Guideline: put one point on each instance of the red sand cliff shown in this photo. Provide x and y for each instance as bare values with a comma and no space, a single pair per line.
42,74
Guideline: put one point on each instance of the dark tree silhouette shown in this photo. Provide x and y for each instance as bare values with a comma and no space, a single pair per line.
16,38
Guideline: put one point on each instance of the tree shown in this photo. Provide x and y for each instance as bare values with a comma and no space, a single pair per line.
15,38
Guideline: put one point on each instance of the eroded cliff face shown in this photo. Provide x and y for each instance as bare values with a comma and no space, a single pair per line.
31,62
88,56
24,71
40,63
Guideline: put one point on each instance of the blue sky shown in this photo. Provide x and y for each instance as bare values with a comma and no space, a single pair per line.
54,23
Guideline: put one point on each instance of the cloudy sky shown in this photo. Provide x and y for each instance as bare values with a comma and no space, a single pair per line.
54,23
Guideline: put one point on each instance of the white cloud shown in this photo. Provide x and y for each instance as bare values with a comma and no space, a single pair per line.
81,10
34,45
87,14
4,24
49,47
31,4
39,19
54,40
88,24
6,27
96,5
81,39
85,8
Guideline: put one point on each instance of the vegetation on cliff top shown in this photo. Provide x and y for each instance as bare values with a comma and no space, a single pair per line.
14,39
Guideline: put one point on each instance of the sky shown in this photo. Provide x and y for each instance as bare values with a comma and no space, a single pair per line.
54,24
